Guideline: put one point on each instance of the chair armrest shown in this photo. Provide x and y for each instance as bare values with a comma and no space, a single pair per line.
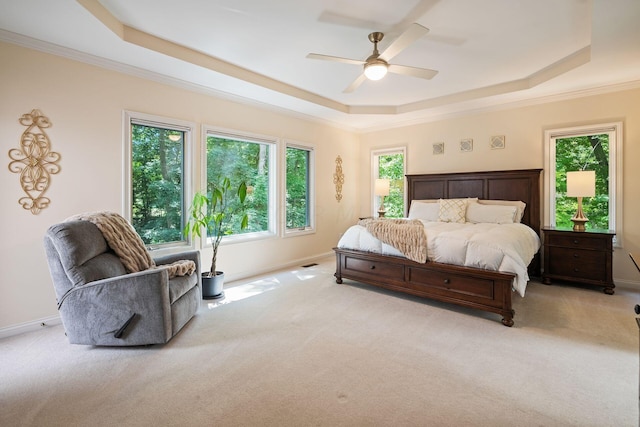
189,255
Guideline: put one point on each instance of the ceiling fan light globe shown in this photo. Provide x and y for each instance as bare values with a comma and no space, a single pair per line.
375,71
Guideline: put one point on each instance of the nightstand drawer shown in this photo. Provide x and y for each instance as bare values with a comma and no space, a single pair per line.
579,264
573,240
579,256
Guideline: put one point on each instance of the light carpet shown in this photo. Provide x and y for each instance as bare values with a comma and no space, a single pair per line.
294,348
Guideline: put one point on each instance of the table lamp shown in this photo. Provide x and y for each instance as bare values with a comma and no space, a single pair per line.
381,189
580,184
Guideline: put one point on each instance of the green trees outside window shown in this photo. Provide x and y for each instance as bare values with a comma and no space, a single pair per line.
391,166
297,188
159,173
589,152
157,183
248,161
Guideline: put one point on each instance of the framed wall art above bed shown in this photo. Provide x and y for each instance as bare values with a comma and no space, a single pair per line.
477,288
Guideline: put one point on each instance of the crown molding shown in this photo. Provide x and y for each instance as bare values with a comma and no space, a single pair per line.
431,115
108,64
508,105
184,53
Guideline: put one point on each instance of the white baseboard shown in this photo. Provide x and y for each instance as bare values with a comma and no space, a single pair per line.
31,326
633,284
295,263
34,325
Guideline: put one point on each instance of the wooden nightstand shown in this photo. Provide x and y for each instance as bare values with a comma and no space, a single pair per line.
579,256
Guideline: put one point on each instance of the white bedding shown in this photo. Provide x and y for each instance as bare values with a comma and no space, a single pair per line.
499,247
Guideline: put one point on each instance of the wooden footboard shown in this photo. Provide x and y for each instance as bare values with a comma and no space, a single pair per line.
468,287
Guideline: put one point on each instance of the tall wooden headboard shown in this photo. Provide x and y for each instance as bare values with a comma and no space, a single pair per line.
523,185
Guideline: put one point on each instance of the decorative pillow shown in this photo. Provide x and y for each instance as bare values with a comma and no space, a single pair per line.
520,206
452,210
495,214
426,211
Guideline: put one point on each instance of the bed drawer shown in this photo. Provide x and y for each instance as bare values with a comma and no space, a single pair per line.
378,268
464,287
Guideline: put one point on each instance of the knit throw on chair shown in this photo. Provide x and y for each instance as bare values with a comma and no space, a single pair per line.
123,239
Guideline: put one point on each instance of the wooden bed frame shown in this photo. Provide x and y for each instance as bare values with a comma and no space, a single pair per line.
469,287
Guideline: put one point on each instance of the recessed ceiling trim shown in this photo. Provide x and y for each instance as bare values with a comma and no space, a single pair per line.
562,66
495,105
566,64
107,64
373,109
166,47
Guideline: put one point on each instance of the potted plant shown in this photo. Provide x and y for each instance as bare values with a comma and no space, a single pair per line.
213,214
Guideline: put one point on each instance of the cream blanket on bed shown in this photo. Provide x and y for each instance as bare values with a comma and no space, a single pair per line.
123,239
407,236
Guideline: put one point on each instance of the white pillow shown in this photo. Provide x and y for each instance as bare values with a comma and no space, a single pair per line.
495,214
452,210
520,206
424,210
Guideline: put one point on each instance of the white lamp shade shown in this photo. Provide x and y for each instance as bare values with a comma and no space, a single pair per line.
375,71
382,187
581,184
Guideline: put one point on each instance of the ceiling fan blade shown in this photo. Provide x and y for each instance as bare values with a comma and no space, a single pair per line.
356,83
423,73
335,58
413,33
419,10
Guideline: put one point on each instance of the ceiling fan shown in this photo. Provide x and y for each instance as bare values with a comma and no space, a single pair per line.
377,64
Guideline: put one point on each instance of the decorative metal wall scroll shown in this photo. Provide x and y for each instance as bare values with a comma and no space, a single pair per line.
338,178
34,161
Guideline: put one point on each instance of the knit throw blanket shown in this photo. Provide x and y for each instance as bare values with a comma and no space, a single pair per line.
123,239
407,236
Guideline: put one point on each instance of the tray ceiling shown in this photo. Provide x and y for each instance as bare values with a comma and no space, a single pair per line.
486,53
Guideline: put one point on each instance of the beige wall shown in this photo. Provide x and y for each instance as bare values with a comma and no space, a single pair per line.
86,104
524,130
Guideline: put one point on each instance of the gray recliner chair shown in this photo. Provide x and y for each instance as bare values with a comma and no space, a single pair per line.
101,304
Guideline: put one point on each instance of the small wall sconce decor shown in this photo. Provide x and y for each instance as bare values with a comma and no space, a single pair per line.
497,142
438,148
381,189
338,178
466,145
580,184
34,161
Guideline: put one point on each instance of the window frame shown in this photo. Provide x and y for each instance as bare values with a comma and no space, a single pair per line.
375,174
272,230
311,228
615,132
189,128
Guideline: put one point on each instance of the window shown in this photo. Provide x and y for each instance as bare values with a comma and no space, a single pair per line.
299,214
157,176
390,164
249,159
597,148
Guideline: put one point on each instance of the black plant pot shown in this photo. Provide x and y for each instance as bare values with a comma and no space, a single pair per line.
212,285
